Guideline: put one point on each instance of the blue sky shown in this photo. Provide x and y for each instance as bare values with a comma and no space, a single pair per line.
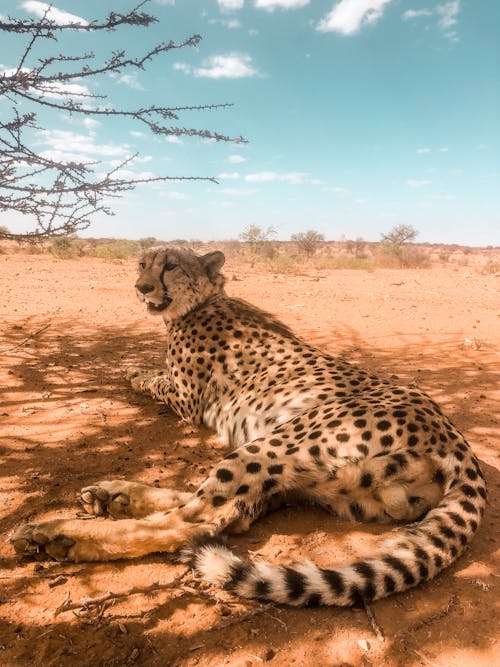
360,115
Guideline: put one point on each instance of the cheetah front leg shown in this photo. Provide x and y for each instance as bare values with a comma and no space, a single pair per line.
78,540
235,493
121,499
153,382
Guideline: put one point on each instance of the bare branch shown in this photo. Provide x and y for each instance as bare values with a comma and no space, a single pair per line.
63,196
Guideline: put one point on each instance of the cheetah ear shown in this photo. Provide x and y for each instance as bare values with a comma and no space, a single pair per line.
212,263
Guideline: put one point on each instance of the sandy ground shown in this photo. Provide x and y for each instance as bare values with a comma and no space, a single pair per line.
69,418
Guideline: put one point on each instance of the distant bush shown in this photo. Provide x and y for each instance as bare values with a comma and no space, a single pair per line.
358,263
65,247
491,267
117,249
259,240
308,241
148,242
405,257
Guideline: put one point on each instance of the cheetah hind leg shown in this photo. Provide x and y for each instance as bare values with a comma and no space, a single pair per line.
121,499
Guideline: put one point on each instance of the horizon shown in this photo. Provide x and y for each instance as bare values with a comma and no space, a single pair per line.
359,117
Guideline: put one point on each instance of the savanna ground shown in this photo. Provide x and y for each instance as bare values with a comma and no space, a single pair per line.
69,329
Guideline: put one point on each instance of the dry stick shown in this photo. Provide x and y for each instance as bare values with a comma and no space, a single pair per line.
10,349
435,617
379,633
85,603
249,613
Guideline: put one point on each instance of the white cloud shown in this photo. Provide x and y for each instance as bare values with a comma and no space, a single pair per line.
71,142
417,183
41,9
423,151
295,178
348,16
231,24
173,139
165,2
229,175
448,13
66,156
90,123
131,81
253,32
236,159
416,13
137,134
228,66
271,5
230,5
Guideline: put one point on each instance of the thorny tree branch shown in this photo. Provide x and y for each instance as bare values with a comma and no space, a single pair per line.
61,195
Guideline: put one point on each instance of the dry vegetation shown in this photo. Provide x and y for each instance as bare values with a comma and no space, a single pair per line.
282,257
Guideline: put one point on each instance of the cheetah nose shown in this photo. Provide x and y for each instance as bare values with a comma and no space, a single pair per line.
144,288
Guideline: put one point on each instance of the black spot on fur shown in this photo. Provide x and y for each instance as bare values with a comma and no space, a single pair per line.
244,488
224,475
275,469
468,507
269,484
254,467
384,425
217,501
366,480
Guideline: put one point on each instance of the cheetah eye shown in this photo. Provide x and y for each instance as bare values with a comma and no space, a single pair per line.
142,265
169,266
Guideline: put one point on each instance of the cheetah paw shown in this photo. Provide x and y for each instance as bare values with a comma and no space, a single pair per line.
108,498
29,540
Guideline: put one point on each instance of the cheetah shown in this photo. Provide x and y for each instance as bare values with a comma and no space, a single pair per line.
297,420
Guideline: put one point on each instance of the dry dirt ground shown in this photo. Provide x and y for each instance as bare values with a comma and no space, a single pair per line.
70,327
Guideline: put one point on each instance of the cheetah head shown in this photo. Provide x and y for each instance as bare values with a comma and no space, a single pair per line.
173,281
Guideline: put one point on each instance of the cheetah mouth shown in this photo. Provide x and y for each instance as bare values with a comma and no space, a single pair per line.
158,307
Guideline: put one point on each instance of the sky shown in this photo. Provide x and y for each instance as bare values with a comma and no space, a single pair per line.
359,115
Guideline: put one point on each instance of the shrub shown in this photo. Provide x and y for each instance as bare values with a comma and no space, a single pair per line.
65,247
308,241
117,249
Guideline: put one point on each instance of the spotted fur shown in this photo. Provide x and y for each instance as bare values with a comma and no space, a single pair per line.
298,421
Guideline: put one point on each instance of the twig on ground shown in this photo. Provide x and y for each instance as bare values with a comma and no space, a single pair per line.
379,633
33,335
243,616
86,603
435,617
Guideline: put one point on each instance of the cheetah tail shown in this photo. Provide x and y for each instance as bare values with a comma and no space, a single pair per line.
410,555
